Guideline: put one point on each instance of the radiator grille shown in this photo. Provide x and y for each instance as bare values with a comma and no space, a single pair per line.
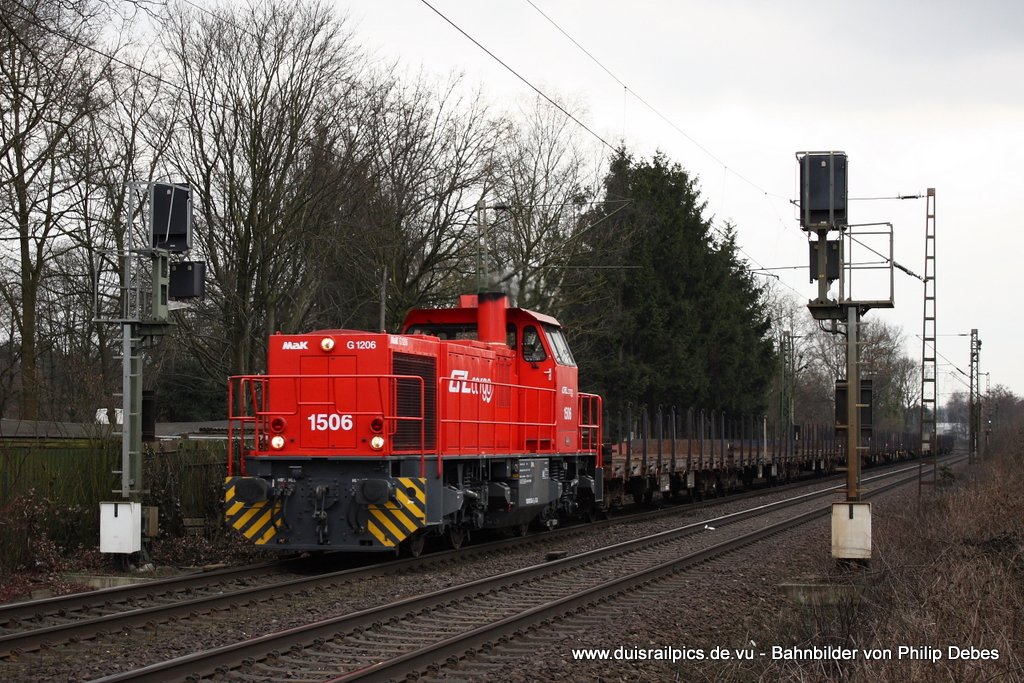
407,404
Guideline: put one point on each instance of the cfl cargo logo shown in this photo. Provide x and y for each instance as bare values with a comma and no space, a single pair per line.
295,346
462,383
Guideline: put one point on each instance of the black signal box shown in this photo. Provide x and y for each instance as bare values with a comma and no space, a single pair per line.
170,211
187,280
823,191
833,259
866,408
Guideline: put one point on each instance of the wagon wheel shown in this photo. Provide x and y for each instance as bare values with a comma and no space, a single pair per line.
521,530
455,536
589,512
413,547
643,496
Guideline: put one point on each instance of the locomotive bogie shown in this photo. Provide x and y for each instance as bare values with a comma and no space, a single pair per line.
314,504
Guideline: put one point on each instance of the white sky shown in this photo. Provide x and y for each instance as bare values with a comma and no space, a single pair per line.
918,93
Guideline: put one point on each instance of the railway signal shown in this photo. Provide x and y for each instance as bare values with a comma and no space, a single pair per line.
140,304
823,211
170,225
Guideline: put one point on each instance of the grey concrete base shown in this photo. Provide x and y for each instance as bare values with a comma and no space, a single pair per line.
100,581
818,591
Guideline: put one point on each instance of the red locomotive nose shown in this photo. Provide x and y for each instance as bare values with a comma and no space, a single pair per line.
278,424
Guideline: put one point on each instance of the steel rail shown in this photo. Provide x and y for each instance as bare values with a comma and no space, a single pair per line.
217,659
29,640
454,646
95,599
18,611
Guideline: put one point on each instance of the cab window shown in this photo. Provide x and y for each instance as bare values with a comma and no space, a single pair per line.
559,346
533,347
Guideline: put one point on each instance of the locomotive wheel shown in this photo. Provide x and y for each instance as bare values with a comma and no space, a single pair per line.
413,547
455,536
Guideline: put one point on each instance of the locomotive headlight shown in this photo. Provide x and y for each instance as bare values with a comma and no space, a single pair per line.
327,344
277,442
377,442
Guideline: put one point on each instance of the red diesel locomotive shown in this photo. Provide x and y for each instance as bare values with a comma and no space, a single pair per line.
470,419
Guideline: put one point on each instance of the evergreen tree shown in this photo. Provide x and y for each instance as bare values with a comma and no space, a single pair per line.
674,317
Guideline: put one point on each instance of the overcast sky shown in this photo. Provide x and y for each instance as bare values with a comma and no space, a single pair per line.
918,94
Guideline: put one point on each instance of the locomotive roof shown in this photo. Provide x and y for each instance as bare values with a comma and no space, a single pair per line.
469,314
454,314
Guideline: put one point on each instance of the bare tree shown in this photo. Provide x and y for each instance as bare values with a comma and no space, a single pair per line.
121,143
9,349
262,87
798,384
542,177
50,82
1002,412
906,383
819,360
423,154
882,360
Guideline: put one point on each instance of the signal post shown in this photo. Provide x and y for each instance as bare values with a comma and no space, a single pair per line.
823,211
139,303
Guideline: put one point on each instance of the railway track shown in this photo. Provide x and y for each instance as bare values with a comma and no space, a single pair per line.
28,626
389,641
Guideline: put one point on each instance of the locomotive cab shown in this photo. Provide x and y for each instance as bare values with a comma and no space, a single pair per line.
545,362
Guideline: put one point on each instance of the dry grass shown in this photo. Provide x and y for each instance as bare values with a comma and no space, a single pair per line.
949,574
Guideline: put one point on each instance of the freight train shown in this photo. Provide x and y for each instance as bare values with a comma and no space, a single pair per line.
470,419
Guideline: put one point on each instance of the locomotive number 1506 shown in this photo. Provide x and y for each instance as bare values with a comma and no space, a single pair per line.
330,422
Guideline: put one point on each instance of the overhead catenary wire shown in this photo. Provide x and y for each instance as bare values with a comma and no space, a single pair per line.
562,109
894,262
626,88
522,78
651,107
804,267
725,167
587,128
876,199
951,363
35,20
958,379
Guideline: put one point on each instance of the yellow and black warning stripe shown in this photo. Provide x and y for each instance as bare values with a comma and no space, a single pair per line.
394,521
258,522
